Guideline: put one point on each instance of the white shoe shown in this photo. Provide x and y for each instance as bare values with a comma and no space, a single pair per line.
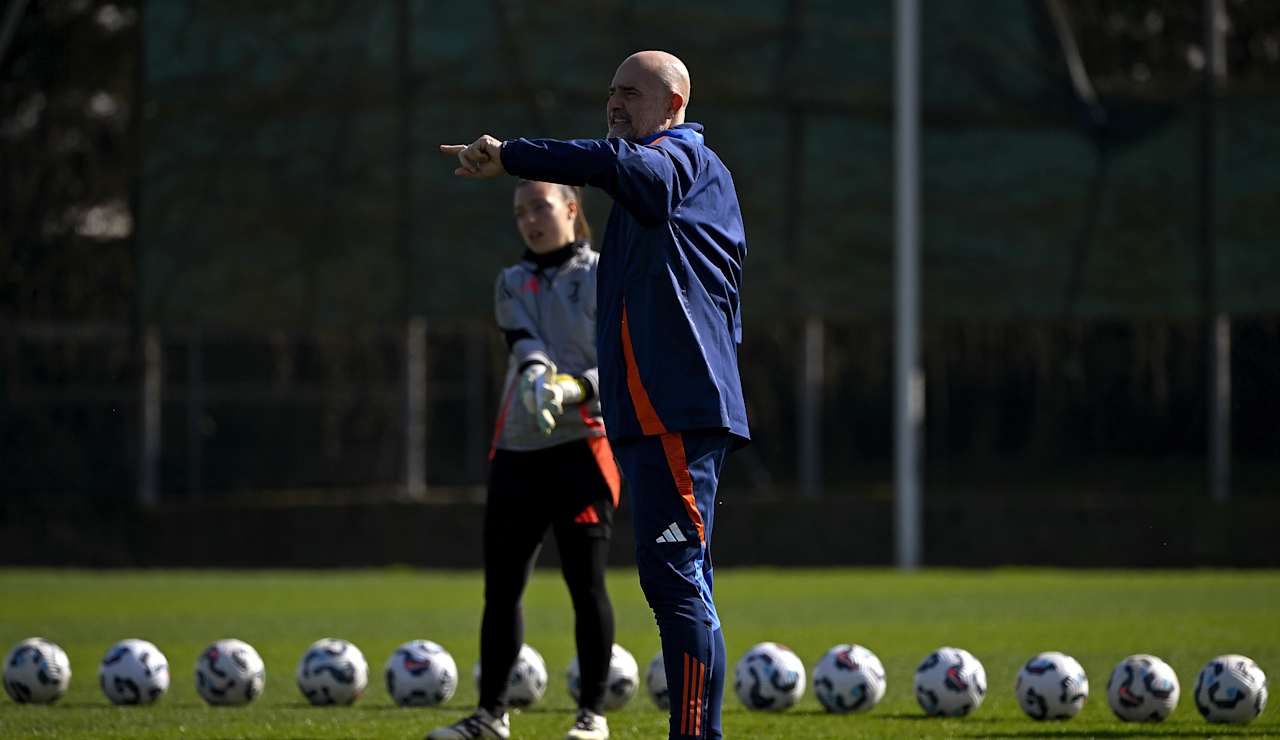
589,726
480,725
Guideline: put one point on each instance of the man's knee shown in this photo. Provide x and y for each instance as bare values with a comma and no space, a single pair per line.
669,589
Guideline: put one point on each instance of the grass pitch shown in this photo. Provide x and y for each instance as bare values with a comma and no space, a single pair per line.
1002,616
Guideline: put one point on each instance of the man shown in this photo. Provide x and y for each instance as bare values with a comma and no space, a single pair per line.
667,329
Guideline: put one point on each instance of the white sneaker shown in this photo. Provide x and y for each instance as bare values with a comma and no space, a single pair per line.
480,724
589,726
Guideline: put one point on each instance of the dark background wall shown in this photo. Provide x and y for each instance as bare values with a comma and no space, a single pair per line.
982,530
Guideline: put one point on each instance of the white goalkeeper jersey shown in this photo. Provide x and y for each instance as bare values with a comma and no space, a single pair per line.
546,307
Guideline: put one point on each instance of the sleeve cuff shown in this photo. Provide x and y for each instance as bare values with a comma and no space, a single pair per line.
588,389
537,358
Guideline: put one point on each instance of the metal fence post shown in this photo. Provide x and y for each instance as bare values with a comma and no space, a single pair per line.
908,374
1216,322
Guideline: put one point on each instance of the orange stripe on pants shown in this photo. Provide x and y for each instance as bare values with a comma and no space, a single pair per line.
684,699
695,672
673,447
697,724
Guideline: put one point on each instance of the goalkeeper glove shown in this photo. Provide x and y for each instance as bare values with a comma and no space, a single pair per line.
544,394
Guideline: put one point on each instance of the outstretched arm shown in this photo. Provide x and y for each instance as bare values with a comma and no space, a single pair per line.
649,181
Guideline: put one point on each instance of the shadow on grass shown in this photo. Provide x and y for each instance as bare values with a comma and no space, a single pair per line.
1058,730
460,711
1141,731
812,712
927,718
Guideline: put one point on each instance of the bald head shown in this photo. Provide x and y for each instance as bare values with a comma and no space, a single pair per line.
649,93
667,68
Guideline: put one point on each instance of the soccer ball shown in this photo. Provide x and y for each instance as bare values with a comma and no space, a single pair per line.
230,673
849,678
655,682
420,673
950,682
332,671
620,684
1231,688
134,672
527,682
36,671
1142,688
1052,686
769,678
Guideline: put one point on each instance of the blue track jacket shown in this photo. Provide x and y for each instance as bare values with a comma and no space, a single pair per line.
668,322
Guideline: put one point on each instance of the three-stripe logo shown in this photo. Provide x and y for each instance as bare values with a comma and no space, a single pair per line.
672,534
695,677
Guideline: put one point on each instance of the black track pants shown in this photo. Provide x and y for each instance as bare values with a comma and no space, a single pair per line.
570,488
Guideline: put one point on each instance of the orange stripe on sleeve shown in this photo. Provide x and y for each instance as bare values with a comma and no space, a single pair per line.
673,446
648,417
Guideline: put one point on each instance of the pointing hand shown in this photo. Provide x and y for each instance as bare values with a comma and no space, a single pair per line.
480,159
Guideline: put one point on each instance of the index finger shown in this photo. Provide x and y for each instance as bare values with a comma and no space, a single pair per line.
452,149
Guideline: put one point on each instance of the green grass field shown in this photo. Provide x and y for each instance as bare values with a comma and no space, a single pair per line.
1002,616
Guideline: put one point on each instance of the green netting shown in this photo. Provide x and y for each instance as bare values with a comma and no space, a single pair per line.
274,158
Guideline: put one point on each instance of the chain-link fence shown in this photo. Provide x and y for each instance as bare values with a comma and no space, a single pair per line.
1016,407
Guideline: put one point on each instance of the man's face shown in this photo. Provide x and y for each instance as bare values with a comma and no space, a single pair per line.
639,104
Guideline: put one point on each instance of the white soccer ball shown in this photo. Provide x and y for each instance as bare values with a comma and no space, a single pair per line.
655,682
527,681
1143,688
1052,686
36,671
849,678
229,673
769,677
332,671
134,672
1231,688
620,684
421,673
950,682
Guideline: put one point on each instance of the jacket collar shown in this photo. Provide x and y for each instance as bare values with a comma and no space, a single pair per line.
691,132
555,257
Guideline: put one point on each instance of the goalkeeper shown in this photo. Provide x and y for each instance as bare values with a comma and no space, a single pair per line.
550,464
